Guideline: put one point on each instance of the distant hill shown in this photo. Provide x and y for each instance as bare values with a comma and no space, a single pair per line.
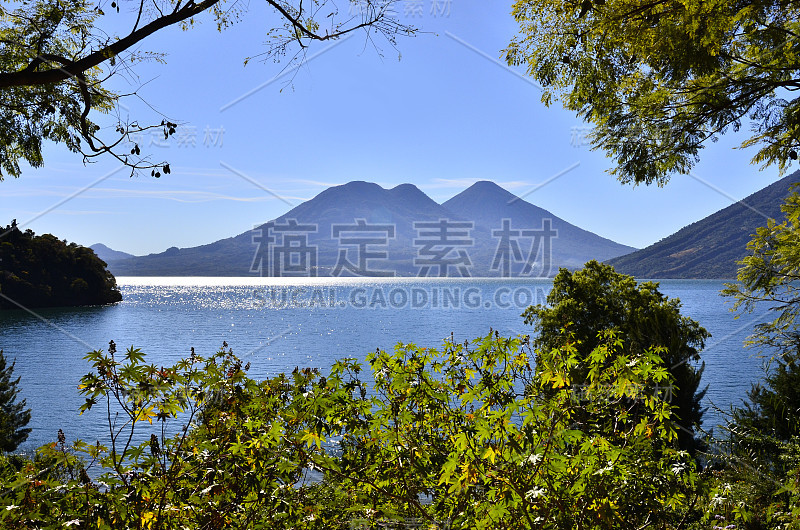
488,204
109,254
710,247
400,206
245,254
484,205
44,271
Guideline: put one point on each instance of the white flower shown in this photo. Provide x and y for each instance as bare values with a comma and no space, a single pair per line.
678,468
534,459
535,493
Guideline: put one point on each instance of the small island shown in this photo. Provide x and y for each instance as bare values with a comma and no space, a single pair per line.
44,271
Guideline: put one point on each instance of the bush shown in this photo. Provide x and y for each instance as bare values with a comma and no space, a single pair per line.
466,436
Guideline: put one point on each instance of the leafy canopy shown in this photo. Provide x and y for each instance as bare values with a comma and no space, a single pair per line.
658,80
588,302
57,58
761,455
43,271
768,281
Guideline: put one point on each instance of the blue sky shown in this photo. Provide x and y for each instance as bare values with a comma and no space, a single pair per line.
438,112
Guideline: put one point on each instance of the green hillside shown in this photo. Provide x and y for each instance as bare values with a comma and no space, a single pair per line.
709,248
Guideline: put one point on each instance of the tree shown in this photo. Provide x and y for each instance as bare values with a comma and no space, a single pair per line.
763,446
659,80
773,407
585,303
767,280
759,458
13,415
56,59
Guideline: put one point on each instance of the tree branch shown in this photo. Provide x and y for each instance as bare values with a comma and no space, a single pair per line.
73,68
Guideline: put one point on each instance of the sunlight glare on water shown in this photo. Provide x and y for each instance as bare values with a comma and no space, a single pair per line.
279,323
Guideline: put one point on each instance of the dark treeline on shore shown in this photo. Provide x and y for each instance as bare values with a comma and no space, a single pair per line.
44,271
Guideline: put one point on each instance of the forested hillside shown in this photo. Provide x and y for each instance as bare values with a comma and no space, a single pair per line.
44,271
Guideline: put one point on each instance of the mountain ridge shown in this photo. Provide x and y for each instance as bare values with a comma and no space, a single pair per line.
710,247
401,207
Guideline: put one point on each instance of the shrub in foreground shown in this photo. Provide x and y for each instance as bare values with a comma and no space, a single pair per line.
469,435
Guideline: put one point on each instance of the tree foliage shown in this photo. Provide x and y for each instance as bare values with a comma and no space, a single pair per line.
585,303
465,436
771,415
43,271
759,459
775,405
57,57
658,80
768,280
761,454
13,415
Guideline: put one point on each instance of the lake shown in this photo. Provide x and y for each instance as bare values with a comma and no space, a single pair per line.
279,323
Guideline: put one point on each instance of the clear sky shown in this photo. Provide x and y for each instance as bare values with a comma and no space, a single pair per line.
440,112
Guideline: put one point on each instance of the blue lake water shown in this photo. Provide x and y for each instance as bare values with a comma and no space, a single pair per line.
279,323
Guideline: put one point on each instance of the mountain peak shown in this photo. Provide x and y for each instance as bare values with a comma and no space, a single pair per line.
489,191
108,254
405,187
408,192
488,185
491,197
485,204
353,190
358,185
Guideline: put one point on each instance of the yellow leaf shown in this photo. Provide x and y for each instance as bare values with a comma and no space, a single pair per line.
312,438
146,414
